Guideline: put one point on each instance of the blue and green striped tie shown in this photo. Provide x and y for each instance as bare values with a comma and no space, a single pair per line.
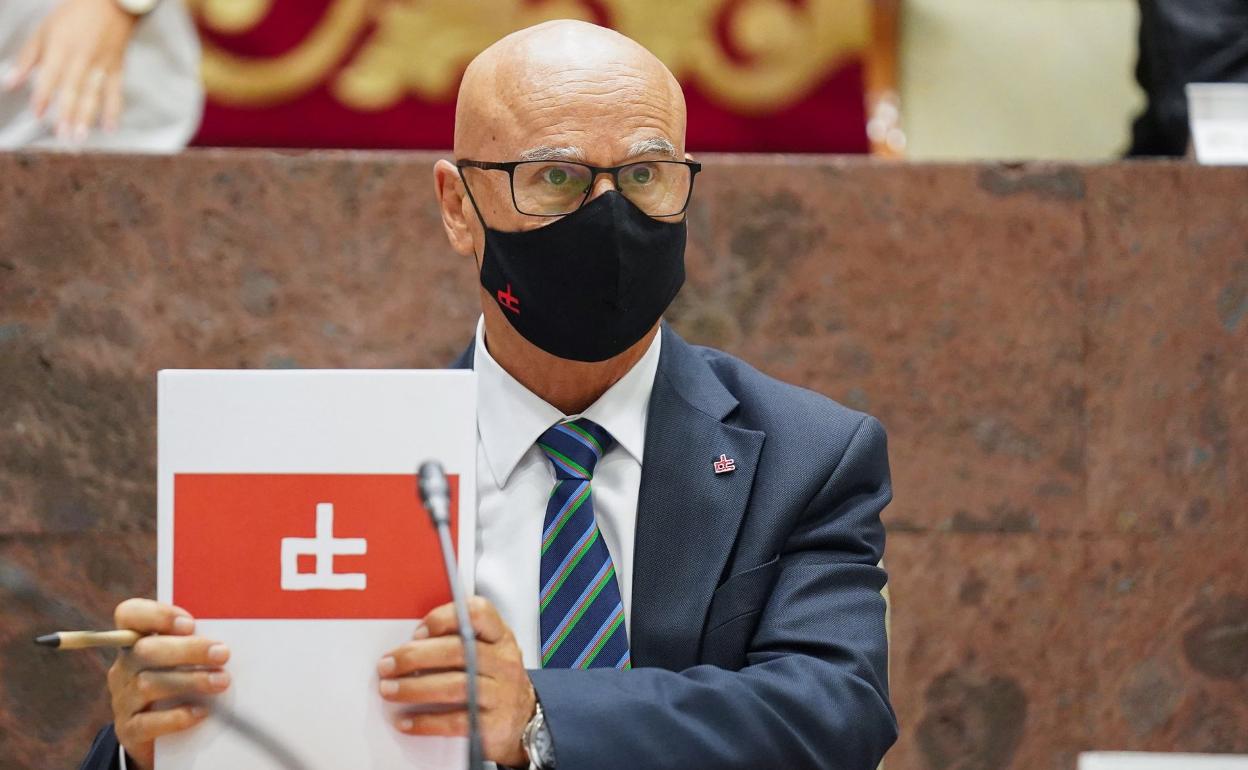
581,611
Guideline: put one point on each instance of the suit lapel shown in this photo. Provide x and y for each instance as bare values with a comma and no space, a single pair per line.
688,515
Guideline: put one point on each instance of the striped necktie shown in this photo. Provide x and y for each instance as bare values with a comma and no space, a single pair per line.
581,611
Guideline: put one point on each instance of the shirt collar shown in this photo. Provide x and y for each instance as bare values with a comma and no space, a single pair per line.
510,417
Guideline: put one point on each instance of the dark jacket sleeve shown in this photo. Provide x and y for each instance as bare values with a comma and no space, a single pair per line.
1181,42
813,692
103,752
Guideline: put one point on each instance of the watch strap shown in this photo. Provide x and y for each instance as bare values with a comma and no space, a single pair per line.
137,7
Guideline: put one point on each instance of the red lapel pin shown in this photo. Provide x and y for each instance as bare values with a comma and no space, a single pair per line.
725,464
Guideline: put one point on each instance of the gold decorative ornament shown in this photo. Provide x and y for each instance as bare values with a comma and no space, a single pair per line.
231,17
420,47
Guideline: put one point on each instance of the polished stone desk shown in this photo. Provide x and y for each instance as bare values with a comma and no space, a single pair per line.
1060,355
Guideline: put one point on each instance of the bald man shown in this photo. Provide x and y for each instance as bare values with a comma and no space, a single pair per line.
677,555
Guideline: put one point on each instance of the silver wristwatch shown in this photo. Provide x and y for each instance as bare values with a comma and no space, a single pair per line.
537,743
137,7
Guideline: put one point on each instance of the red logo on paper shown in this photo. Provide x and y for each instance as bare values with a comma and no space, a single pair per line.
509,300
305,546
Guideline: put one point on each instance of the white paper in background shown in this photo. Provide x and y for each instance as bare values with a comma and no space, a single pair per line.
310,685
1128,760
1218,115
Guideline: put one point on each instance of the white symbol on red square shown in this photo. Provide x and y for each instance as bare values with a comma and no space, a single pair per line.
324,547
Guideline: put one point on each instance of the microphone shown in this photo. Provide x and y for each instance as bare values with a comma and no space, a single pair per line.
435,492
435,495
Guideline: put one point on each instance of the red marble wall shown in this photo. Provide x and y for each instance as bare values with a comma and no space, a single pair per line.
1059,354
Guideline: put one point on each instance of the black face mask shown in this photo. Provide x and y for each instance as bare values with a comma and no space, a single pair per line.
588,286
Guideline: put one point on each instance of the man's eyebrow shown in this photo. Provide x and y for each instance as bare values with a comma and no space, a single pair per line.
547,152
655,145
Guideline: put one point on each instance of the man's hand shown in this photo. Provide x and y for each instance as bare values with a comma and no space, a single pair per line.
79,51
156,669
429,671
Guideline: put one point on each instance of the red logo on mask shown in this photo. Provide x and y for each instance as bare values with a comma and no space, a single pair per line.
509,300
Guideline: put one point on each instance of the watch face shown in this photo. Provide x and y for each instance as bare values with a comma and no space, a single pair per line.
542,744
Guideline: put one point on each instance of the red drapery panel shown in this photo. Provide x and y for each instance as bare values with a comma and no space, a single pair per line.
759,75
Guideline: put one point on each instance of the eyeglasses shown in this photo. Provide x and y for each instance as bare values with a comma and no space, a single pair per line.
550,188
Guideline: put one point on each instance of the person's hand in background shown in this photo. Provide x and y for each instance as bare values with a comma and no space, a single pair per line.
171,664
75,59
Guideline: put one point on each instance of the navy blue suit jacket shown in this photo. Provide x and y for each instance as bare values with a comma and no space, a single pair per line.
757,626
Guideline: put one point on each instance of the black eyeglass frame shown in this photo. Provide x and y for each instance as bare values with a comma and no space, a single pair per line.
595,171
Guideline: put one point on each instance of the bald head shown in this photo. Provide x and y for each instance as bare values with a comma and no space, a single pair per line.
559,91
569,90
563,91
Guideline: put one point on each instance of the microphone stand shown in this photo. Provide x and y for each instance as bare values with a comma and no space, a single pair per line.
435,495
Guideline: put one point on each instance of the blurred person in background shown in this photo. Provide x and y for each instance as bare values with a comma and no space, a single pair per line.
1181,42
117,75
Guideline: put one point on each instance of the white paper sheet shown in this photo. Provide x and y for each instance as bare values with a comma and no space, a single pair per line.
1218,117
307,685
1128,760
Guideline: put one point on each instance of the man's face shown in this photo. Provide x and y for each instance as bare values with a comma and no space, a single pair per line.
603,102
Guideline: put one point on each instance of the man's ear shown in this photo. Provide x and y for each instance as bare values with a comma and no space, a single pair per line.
452,200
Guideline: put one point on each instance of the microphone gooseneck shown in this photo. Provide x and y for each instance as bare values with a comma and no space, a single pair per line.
435,492
435,495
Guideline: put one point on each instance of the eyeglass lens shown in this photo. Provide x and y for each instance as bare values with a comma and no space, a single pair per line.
549,188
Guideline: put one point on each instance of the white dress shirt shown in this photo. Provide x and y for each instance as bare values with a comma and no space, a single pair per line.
514,481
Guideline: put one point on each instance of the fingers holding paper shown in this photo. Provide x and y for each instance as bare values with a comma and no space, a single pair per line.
169,663
429,672
489,625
